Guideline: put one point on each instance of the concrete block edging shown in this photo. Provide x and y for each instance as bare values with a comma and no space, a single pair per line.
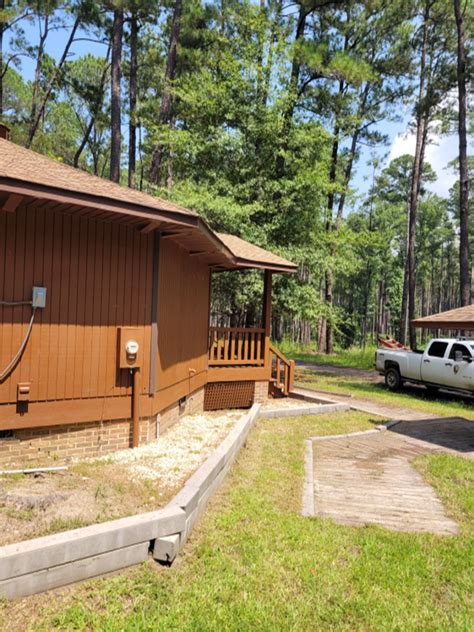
315,406
40,564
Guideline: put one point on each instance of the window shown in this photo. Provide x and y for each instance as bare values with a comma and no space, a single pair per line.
437,349
457,347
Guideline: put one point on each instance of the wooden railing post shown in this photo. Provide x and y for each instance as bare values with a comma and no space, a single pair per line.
291,375
285,385
267,319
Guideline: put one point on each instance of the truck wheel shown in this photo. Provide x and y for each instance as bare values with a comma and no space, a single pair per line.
392,379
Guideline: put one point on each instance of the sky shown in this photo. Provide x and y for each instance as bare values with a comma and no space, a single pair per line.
439,153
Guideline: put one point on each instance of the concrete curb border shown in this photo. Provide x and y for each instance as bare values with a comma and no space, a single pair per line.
196,492
308,487
316,406
307,509
40,564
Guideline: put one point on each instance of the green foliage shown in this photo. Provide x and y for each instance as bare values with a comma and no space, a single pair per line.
270,108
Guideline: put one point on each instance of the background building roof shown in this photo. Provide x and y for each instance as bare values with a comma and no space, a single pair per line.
460,318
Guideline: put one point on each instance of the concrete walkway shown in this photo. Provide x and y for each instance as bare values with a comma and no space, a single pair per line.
367,478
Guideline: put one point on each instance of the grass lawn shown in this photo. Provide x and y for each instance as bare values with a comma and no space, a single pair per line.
253,563
354,358
416,398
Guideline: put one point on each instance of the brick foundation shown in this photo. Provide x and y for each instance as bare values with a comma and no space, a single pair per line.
56,445
194,404
261,392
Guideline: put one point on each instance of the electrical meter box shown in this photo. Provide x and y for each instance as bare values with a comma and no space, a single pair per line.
130,347
39,296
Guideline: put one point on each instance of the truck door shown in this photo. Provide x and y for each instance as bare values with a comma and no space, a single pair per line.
432,365
459,367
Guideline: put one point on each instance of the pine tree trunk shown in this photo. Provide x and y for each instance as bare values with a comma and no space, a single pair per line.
403,327
37,79
322,336
94,112
267,72
464,255
40,109
259,63
115,101
352,151
166,100
329,325
132,98
292,96
328,297
421,132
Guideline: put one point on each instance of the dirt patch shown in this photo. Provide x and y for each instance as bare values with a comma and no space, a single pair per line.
335,370
121,484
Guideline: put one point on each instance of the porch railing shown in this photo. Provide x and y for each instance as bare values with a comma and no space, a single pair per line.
283,372
236,346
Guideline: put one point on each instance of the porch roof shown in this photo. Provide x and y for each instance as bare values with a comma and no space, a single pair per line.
26,174
460,318
249,255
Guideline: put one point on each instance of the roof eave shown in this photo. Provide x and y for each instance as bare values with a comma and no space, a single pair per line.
239,264
31,189
273,267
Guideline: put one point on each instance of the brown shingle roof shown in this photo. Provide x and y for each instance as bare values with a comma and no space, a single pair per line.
24,166
28,166
244,251
460,318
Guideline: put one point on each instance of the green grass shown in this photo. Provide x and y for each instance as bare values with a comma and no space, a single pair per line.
453,479
253,563
354,358
415,398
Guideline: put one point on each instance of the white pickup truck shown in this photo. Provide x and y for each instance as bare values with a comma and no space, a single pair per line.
445,363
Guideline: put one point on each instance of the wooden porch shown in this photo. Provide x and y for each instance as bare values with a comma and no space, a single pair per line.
246,353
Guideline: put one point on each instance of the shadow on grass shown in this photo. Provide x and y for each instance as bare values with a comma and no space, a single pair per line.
450,404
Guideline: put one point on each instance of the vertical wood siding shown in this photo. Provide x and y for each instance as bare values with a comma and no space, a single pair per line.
98,277
183,321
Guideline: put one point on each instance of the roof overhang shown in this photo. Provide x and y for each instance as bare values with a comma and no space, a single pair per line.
189,231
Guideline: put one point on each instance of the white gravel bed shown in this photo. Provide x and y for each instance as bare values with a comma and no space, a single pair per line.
180,451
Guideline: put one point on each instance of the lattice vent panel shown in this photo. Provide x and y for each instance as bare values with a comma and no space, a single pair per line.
223,395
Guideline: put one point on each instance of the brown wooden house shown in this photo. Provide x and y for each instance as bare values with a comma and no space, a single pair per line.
113,266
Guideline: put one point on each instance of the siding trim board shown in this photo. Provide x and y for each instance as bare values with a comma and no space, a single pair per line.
154,311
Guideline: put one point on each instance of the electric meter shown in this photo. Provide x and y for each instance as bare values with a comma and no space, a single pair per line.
131,348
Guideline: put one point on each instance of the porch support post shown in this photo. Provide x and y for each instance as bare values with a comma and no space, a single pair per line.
267,316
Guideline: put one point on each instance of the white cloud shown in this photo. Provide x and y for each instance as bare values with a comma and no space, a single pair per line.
440,151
